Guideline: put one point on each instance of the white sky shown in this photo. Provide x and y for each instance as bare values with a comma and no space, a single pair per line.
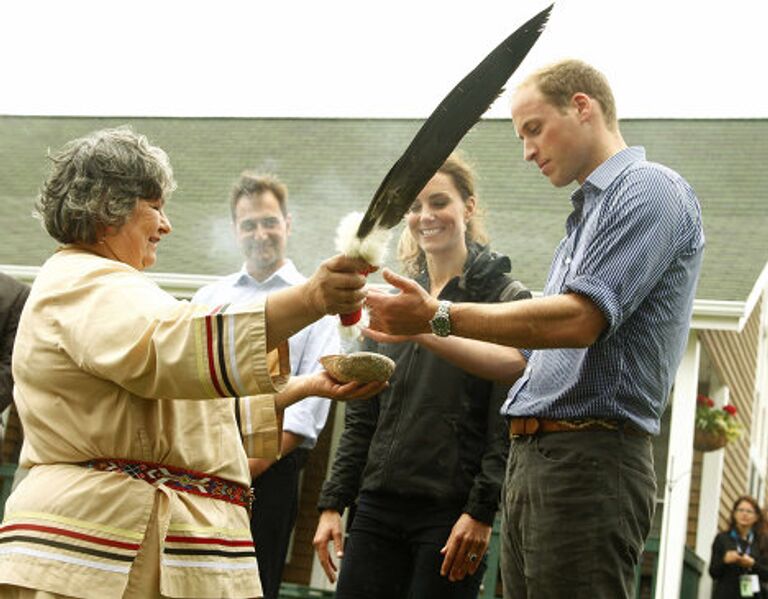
392,58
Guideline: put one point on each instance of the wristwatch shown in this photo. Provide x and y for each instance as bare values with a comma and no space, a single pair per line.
441,321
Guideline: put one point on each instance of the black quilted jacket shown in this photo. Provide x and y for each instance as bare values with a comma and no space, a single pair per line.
435,434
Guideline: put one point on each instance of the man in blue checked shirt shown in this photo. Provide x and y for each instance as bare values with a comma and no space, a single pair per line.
602,345
262,223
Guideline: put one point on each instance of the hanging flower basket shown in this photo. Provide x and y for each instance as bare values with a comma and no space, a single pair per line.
715,426
708,441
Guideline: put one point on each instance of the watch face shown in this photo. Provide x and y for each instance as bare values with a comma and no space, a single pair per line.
440,326
441,322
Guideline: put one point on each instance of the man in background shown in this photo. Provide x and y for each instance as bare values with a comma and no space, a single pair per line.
262,223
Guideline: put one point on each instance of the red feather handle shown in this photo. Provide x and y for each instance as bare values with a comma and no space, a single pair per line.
354,317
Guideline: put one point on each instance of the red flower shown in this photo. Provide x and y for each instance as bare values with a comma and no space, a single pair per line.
717,420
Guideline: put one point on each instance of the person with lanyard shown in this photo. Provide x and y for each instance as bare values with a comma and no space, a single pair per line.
739,564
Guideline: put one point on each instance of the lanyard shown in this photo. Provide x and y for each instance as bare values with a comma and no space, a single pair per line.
743,550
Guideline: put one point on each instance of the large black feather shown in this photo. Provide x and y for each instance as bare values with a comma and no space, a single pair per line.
446,126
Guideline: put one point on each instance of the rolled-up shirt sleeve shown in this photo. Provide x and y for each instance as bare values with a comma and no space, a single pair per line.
641,234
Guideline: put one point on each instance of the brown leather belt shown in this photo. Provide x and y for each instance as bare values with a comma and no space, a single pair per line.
521,427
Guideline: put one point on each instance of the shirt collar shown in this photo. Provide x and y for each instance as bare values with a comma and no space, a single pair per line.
606,173
584,197
287,274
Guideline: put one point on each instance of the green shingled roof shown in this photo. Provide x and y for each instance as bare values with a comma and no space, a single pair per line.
333,166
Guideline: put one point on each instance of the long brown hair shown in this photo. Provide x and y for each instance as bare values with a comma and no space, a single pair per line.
462,175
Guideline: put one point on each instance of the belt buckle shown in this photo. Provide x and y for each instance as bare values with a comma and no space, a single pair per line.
530,426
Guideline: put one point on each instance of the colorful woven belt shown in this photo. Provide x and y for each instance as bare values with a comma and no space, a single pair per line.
180,479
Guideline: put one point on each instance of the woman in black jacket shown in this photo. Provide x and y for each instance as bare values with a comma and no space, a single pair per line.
425,459
738,565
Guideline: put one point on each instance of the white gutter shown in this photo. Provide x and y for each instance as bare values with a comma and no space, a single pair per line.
728,316
719,315
179,285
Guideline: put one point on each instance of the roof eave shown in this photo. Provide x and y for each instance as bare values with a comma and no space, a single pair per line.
718,315
729,315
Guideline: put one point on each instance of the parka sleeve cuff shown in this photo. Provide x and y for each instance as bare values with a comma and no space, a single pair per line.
330,501
480,512
259,426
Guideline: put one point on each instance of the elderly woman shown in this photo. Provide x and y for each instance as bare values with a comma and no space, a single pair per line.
138,482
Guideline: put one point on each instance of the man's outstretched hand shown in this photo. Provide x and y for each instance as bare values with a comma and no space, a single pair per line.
404,313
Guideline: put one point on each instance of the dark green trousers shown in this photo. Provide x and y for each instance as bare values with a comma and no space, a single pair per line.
576,509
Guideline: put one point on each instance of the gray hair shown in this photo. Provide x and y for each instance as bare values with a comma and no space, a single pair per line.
96,181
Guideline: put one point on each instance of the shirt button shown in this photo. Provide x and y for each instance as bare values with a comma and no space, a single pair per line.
568,260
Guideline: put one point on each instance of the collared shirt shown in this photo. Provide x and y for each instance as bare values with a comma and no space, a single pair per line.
633,246
307,417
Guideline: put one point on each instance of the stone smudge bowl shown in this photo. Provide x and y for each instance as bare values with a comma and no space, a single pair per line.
362,367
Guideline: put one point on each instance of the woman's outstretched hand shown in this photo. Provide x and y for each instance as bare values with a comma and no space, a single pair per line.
320,384
380,337
324,385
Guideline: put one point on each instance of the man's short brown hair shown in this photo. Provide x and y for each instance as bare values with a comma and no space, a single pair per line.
252,184
558,83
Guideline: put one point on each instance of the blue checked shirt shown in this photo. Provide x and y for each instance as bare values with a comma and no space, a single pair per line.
306,417
633,246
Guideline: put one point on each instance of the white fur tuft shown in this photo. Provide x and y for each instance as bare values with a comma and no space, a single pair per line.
372,249
352,336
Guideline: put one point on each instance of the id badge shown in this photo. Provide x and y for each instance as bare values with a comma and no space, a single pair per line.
749,584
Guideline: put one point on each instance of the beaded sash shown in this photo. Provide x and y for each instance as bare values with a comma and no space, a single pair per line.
180,479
